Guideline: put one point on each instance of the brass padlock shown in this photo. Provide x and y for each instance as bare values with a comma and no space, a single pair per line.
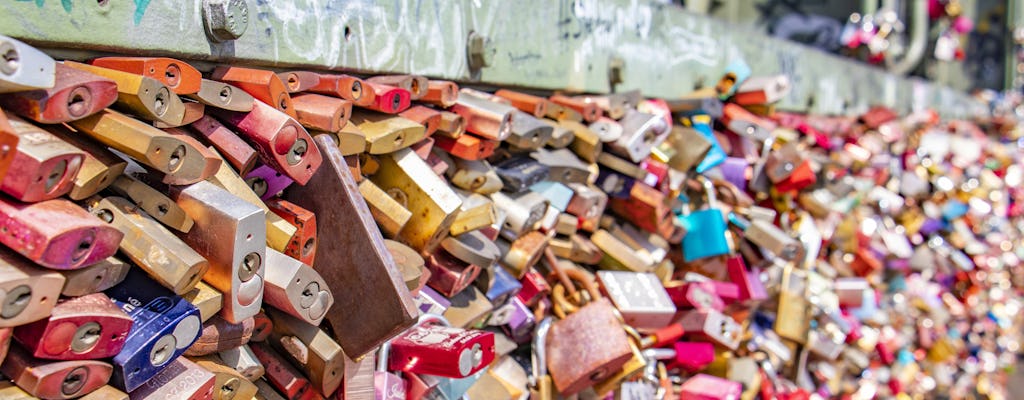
390,215
433,204
208,300
793,322
149,245
180,158
222,95
228,384
386,133
94,278
310,349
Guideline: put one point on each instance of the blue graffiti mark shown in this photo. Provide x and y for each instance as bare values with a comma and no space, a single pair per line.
140,10
66,4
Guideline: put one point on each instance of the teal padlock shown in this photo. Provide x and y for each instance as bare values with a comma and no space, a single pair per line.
705,228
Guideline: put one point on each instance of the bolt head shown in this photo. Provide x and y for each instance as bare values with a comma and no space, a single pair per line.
225,20
477,51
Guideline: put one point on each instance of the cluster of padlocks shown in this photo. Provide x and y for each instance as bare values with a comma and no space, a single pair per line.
245,233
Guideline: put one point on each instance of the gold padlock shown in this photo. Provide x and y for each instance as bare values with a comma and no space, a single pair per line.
142,95
207,299
311,349
228,384
390,215
152,247
100,167
154,203
405,176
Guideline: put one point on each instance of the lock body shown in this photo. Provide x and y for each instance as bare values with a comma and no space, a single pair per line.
56,233
39,157
310,349
182,379
33,69
177,75
281,375
266,182
76,94
442,351
575,362
302,247
29,292
346,87
218,335
296,288
432,202
264,86
156,204
235,151
231,234
163,326
140,95
222,95
280,140
82,328
95,278
54,379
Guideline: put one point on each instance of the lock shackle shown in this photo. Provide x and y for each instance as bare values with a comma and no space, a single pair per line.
538,357
709,191
562,305
732,195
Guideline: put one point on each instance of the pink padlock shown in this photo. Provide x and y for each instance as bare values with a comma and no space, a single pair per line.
707,387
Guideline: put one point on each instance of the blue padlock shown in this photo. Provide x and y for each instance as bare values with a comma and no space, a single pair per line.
705,229
503,287
163,326
716,155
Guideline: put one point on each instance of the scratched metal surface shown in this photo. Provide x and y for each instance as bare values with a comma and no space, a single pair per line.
543,44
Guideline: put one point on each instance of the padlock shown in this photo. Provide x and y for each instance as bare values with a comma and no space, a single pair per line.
487,119
585,143
75,95
429,301
618,255
518,174
503,286
177,75
426,116
94,278
54,379
432,202
762,90
356,248
614,104
477,212
386,133
266,182
452,125
279,233
236,151
639,297
508,383
299,81
279,139
228,383
387,385
749,285
535,105
707,387
641,132
441,93
697,295
302,247
56,233
588,110
243,361
208,300
143,96
29,292
180,157
231,234
163,326
473,248
222,95
705,229
263,85
515,318
344,86
295,288
416,85
351,140
769,237
218,335
792,322
523,253
320,112
412,266
646,208
156,204
528,132
588,204
541,386
563,166
736,73
715,155
441,350
43,166
469,308
31,69
390,214
535,288
474,175
181,379
522,212
99,169
713,325
700,101
87,327
467,146
386,98
310,349
576,362
152,247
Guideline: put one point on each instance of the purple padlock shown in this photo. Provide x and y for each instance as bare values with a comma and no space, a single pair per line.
429,301
519,321
267,182
734,170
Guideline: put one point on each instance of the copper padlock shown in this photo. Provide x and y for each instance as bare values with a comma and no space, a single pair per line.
263,85
177,75
141,95
54,379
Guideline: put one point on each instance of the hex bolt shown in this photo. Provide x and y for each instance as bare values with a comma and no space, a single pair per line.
477,52
225,20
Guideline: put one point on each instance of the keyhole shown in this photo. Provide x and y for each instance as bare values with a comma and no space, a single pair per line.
282,103
82,250
174,161
11,60
225,94
16,301
55,175
309,294
250,264
172,75
396,102
162,209
78,101
308,246
357,89
74,381
86,337
297,151
258,185
160,102
399,139
415,86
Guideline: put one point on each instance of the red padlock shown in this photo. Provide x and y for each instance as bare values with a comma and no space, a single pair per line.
441,350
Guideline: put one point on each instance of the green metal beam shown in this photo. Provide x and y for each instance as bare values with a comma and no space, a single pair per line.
541,44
